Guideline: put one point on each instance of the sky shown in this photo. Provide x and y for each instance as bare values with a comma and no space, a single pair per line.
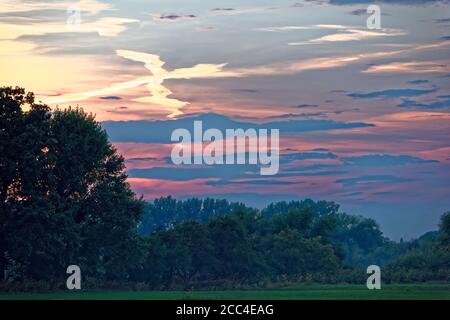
364,114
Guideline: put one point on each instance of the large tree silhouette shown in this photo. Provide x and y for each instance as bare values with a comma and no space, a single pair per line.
63,195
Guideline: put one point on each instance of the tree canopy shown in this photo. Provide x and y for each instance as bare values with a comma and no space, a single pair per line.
63,197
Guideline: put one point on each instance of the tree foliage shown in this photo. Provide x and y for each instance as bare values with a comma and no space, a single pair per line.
64,199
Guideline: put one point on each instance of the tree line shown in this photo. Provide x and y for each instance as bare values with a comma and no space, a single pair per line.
287,242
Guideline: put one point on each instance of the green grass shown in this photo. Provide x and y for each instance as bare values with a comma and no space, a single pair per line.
304,292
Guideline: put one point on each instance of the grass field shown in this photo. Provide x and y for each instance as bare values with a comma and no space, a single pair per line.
305,292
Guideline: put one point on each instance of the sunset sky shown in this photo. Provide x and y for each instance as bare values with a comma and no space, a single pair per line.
364,115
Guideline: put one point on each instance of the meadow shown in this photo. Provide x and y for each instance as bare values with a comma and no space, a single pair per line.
426,291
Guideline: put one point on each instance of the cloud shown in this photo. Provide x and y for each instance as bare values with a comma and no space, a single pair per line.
159,131
107,27
223,9
358,12
159,93
285,28
392,93
111,98
180,173
382,160
226,174
298,115
242,10
363,12
248,90
349,35
308,64
14,28
444,20
411,67
372,179
306,105
86,6
419,81
143,159
173,17
443,102
313,167
290,157
342,33
251,182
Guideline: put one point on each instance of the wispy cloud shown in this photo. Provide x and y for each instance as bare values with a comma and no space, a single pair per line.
172,17
159,131
442,102
392,93
223,9
107,27
439,66
342,33
381,160
111,98
284,28
87,6
350,35
372,179
159,93
240,10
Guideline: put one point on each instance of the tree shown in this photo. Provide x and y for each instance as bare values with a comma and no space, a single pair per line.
233,248
24,167
165,212
444,229
319,208
290,253
64,198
